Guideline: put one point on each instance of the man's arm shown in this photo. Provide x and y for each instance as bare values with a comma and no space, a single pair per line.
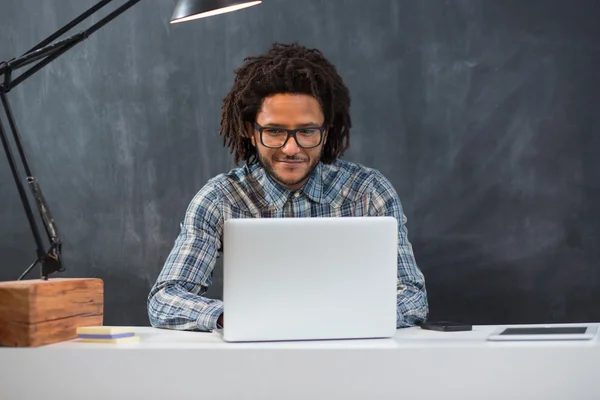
413,307
176,300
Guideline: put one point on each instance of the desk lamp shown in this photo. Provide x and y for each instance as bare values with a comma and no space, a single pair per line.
42,311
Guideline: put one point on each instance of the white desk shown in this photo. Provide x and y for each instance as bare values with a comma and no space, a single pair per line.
416,364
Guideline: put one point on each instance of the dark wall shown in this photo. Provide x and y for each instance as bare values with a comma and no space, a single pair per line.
483,114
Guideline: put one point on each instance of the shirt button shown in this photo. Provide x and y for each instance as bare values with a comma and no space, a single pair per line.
297,194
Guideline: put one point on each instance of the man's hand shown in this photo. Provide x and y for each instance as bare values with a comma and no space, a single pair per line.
220,320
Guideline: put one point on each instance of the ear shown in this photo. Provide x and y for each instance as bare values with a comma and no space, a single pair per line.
250,133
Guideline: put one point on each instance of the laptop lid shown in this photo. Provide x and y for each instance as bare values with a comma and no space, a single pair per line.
309,278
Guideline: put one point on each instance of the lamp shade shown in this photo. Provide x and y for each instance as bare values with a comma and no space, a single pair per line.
186,10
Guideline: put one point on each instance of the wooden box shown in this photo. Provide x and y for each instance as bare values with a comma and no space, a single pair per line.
38,312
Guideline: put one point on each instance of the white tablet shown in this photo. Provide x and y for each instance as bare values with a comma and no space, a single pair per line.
543,332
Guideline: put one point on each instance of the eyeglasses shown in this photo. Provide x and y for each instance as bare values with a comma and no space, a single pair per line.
275,138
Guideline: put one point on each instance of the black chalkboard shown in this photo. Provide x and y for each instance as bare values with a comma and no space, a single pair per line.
483,114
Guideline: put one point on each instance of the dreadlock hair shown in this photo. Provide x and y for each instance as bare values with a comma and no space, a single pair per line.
285,68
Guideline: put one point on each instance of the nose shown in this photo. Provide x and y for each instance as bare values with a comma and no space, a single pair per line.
290,147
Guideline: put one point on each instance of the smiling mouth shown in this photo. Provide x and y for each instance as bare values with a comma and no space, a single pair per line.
290,161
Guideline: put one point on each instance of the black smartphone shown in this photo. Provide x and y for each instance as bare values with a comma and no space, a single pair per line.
446,326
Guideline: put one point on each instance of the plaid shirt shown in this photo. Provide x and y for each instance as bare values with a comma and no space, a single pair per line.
340,189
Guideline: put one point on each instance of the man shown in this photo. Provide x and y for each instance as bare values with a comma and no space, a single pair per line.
287,116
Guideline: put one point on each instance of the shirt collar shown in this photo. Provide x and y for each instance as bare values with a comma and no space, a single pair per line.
278,194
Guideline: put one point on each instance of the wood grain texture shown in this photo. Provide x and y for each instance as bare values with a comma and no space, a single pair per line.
36,312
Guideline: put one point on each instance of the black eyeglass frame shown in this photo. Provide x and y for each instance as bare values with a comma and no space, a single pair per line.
290,133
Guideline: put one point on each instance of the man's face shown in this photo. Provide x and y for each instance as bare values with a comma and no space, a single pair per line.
289,165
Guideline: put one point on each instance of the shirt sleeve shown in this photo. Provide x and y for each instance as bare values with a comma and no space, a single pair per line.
413,307
176,300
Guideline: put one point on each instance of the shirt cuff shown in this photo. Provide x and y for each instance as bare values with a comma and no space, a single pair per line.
210,314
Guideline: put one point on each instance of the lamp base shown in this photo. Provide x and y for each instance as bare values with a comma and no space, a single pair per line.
38,312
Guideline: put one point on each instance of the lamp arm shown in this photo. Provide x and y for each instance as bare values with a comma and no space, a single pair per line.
70,25
20,187
51,259
53,51
7,67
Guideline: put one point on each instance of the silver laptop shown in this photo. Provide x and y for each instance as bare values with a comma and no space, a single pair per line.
309,278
